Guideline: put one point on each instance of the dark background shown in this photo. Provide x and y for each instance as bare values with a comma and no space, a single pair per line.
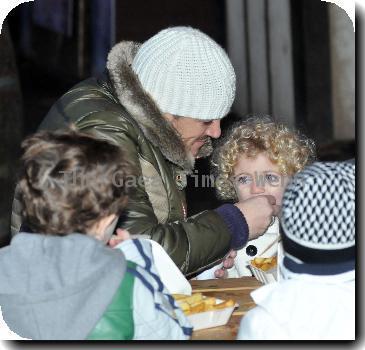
47,46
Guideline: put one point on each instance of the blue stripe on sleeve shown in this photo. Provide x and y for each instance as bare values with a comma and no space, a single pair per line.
147,260
148,264
187,330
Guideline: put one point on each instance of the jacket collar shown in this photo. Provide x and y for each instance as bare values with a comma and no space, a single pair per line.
144,110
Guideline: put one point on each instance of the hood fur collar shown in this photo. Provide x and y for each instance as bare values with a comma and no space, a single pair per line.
144,110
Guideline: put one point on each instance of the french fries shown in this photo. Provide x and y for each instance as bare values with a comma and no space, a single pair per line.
179,296
264,264
195,303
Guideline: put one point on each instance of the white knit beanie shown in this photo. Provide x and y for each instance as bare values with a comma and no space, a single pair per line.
186,73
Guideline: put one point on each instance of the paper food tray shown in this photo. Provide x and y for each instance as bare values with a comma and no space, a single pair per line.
212,318
265,276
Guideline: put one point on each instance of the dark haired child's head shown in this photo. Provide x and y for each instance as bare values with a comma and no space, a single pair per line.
72,182
318,219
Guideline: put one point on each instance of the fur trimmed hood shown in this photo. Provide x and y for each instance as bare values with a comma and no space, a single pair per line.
144,110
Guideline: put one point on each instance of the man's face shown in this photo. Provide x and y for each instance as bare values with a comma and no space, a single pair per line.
194,132
258,176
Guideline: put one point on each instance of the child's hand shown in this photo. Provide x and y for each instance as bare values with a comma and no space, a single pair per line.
228,263
122,235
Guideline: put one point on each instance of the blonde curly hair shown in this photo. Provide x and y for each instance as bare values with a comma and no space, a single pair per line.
288,149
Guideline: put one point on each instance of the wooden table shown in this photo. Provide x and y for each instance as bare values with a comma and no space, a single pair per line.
238,289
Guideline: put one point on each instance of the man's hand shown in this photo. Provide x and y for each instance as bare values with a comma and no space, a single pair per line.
228,263
258,212
122,235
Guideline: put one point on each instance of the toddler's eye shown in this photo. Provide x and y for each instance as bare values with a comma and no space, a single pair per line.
272,178
244,179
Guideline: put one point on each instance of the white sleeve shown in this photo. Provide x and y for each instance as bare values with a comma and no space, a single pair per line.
154,316
260,325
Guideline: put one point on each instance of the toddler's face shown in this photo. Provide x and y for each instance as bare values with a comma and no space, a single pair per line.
258,176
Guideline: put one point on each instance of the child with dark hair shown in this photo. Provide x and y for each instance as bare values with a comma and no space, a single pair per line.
62,282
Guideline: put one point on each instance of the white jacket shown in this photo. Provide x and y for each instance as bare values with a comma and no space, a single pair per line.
302,307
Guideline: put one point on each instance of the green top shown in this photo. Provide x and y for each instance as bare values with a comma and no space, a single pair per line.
117,322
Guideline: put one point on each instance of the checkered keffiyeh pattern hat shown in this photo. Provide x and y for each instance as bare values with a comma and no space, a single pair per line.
318,214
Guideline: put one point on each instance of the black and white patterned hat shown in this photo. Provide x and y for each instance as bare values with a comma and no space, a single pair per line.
318,214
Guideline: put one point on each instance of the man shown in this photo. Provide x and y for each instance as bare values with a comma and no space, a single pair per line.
162,102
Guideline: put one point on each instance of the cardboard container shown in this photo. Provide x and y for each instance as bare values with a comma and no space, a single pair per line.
213,318
265,277
271,275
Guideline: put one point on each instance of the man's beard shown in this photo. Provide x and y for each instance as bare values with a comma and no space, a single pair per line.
205,150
